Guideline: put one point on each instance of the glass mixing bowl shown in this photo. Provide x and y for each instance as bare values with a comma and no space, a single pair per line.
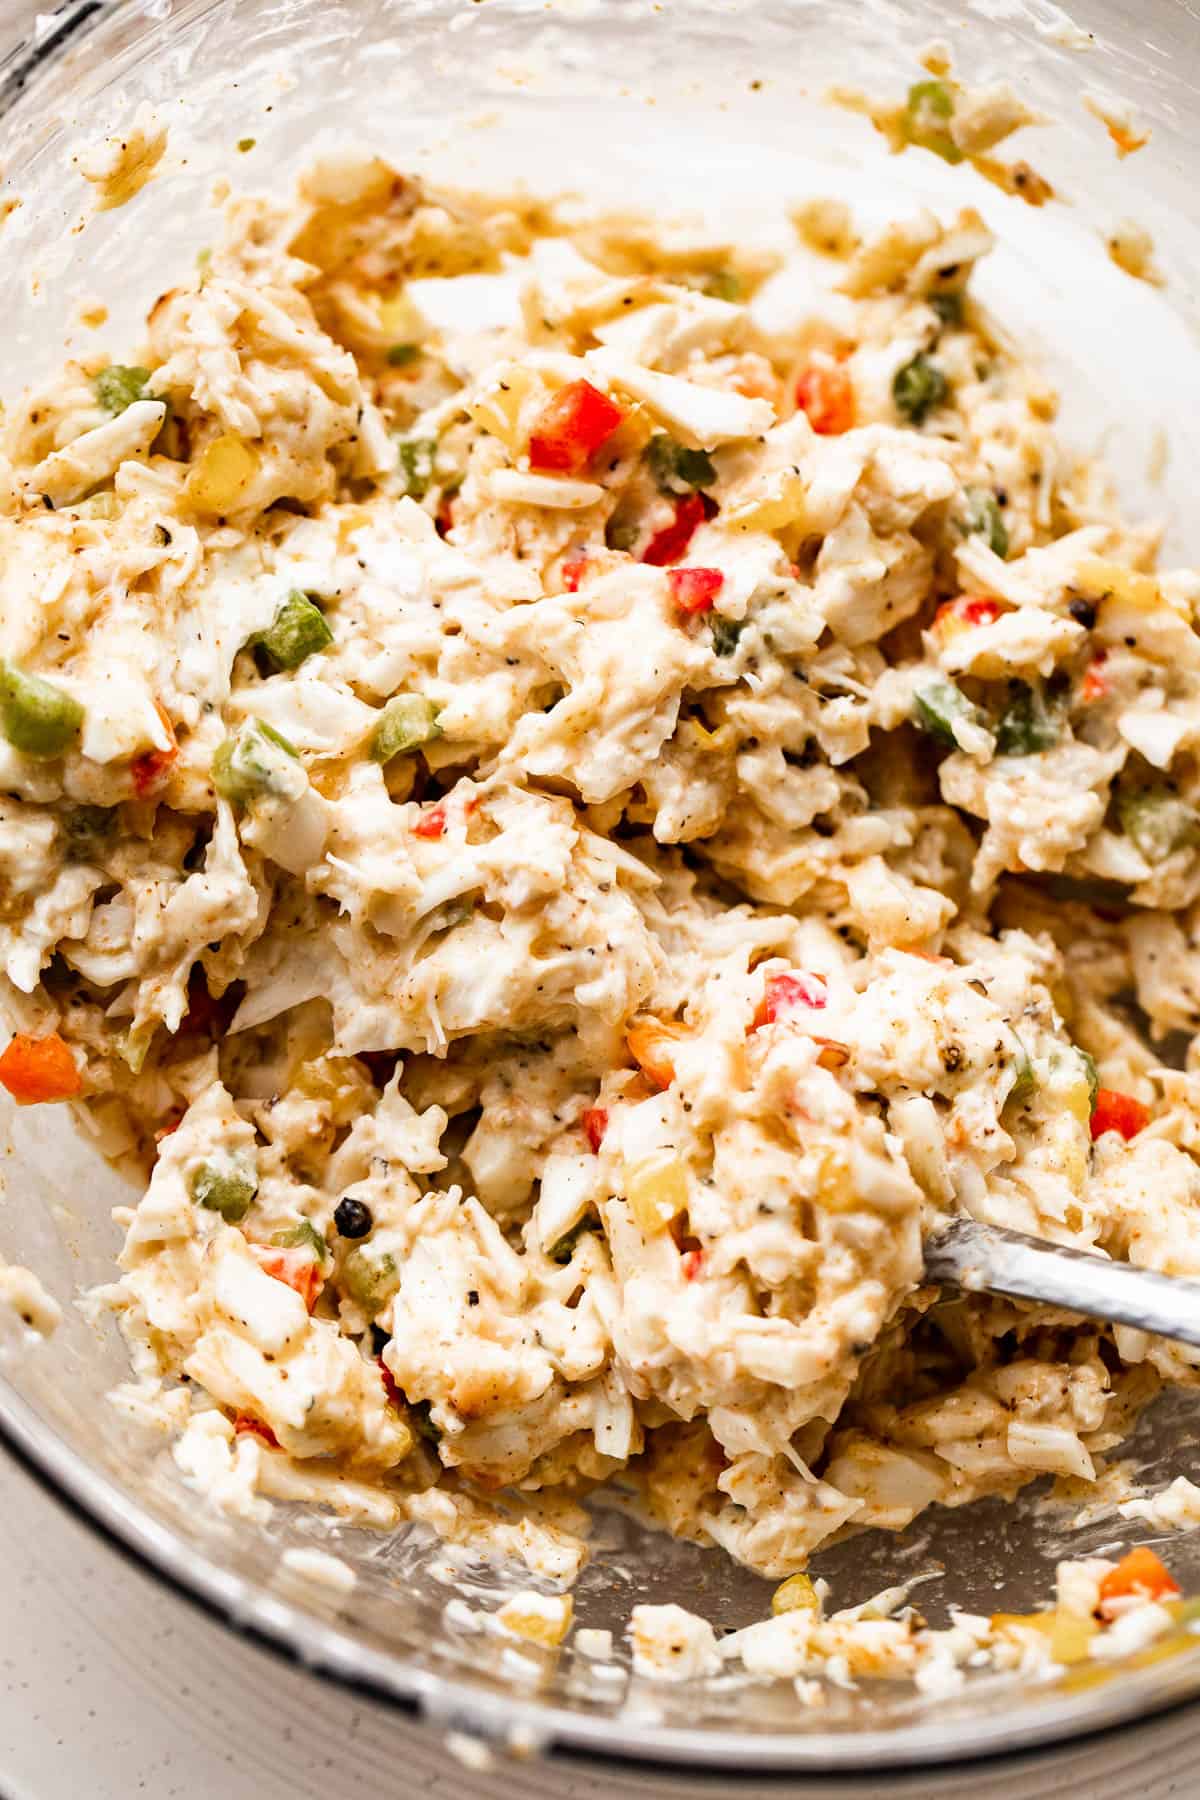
704,104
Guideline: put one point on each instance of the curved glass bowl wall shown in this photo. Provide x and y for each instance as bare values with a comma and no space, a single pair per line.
700,104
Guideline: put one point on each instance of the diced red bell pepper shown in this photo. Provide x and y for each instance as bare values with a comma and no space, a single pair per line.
1095,682
1140,1572
209,1014
650,1043
150,766
297,1269
825,393
246,1422
1118,1112
431,824
968,609
695,590
395,1397
669,544
37,1070
692,1264
571,428
595,1124
444,521
573,572
783,994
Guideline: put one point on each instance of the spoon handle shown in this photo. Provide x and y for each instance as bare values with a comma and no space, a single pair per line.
984,1259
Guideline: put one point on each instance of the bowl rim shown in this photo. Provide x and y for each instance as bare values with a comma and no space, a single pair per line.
512,1723
515,1725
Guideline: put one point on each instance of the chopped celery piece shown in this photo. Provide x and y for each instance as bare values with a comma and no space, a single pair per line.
118,387
36,717
226,1185
256,760
400,356
937,705
297,632
303,1236
675,468
725,634
1158,822
369,1278
918,387
930,106
418,466
407,722
1027,725
948,305
984,519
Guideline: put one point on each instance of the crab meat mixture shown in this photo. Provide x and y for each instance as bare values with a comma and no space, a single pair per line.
559,814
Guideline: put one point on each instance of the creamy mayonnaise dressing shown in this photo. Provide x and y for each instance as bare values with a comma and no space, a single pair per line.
563,847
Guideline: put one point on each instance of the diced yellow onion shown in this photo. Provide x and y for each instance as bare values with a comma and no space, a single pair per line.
656,1189
547,1624
222,475
796,1594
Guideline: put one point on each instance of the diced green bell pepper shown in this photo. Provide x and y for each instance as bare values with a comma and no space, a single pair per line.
1093,1076
623,532
723,285
417,469
675,468
1158,822
1027,725
564,1249
984,519
918,387
120,386
86,827
36,717
370,1278
226,1185
725,634
401,356
929,107
937,704
256,760
303,1236
297,632
407,722
947,303
1024,1080
422,1424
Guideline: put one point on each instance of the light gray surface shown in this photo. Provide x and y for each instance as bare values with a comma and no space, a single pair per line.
111,1687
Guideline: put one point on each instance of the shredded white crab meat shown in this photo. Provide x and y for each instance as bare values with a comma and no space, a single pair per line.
562,847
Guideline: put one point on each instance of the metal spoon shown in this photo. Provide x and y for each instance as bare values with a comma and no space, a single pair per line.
984,1259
